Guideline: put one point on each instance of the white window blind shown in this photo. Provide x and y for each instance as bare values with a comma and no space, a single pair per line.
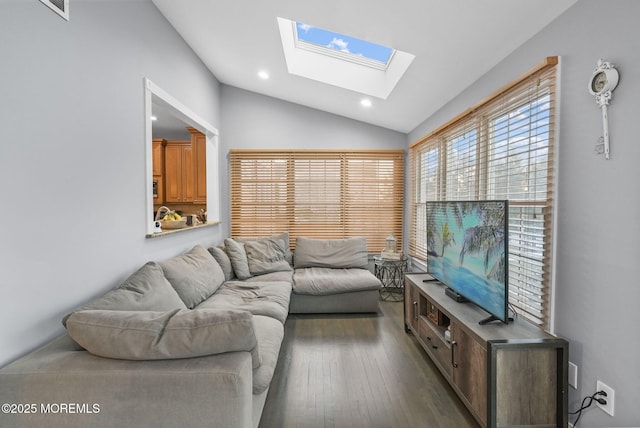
318,194
501,148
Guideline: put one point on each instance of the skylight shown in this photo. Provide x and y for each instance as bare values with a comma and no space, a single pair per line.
342,46
340,60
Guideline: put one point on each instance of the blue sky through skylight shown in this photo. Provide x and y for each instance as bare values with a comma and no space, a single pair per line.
342,43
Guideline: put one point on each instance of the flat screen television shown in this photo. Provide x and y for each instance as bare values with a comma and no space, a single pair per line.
467,251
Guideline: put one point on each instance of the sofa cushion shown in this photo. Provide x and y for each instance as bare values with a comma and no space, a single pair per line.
148,335
280,236
323,281
238,257
266,256
286,276
147,289
331,253
224,261
269,334
268,298
195,275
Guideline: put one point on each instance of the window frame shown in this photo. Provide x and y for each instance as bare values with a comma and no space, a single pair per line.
154,94
302,42
525,91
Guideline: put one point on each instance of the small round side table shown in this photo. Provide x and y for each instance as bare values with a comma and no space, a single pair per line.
391,273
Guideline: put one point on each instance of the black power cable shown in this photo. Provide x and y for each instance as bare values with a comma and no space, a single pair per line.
583,406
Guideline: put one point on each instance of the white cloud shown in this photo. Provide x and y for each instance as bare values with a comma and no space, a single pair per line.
304,27
339,44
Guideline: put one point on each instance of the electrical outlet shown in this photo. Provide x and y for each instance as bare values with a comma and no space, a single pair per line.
611,395
573,375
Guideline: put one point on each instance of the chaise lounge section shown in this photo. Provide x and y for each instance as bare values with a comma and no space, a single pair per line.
332,276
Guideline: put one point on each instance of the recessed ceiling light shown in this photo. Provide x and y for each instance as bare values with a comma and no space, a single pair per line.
263,75
365,102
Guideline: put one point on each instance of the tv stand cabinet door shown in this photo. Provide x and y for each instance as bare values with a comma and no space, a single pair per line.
469,360
411,308
536,384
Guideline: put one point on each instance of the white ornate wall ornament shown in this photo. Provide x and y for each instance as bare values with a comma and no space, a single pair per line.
603,81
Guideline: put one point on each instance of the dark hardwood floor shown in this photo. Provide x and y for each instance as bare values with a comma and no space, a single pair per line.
357,371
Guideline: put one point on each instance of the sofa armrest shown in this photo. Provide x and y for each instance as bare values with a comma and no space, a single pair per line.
79,389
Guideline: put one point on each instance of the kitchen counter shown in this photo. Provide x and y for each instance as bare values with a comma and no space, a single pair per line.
184,229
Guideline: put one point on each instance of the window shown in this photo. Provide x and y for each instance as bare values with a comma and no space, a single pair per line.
501,148
340,60
318,194
342,46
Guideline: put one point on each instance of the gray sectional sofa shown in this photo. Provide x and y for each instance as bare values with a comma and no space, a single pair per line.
191,341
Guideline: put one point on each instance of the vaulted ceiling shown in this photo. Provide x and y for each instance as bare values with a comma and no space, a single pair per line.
454,43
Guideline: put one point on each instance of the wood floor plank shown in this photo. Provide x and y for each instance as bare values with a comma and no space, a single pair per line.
356,371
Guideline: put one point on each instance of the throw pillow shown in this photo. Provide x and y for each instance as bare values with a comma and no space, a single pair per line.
266,255
238,257
195,275
147,335
147,289
284,236
224,261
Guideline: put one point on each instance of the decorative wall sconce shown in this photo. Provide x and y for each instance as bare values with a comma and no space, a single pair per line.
601,85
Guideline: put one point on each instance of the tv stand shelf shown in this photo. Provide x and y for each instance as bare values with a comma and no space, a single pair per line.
511,374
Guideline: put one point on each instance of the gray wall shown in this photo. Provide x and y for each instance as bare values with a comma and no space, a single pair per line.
598,205
72,163
72,168
251,121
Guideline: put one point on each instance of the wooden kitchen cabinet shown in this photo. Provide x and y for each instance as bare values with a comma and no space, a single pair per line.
507,375
199,145
179,172
158,155
158,170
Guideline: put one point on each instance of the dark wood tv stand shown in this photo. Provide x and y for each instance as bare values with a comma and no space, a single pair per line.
511,374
